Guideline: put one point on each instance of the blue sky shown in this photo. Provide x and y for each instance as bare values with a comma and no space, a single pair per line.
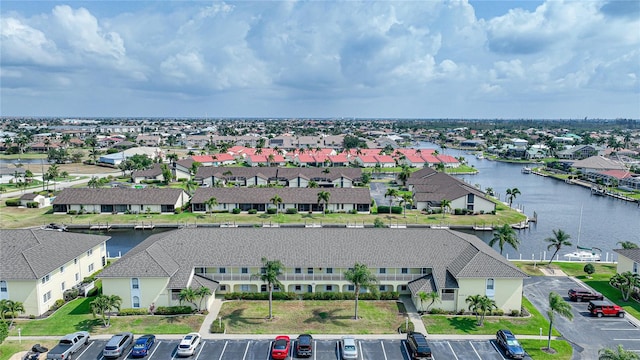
382,59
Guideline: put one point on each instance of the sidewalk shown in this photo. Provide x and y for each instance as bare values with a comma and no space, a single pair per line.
412,312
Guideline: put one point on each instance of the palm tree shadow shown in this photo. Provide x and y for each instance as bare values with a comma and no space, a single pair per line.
465,324
324,317
88,325
236,317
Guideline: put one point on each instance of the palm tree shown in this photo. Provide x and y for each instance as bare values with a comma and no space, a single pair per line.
440,167
190,186
312,184
559,240
486,304
13,308
474,305
53,172
362,278
323,196
505,235
489,191
406,199
444,205
392,194
557,305
626,282
94,182
269,273
627,244
619,354
202,292
511,195
211,203
187,295
424,296
276,200
404,175
103,304
167,175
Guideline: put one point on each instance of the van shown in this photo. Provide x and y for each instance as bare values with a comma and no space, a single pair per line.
117,345
418,347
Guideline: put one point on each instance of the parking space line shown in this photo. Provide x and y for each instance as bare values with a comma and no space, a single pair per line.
626,339
156,345
498,350
453,352
474,350
201,347
85,349
223,349
270,348
360,346
315,353
244,356
384,352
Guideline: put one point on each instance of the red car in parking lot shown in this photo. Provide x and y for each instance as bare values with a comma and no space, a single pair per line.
281,347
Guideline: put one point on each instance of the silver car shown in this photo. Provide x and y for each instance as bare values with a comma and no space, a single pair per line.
118,345
348,348
188,345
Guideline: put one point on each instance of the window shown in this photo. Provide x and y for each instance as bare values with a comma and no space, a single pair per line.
77,277
45,278
175,294
222,270
329,288
223,287
448,294
309,270
91,267
351,288
635,267
490,292
329,270
75,261
403,287
136,301
263,288
62,268
89,252
47,296
382,287
3,286
201,270
62,286
404,270
424,271
244,288
263,270
244,270
490,284
298,287
298,270
135,284
383,270
470,198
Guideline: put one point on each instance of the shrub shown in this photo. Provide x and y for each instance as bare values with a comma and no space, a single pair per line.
177,211
217,327
497,312
236,211
72,212
589,269
272,211
383,209
378,223
292,211
458,211
403,328
515,313
33,204
12,202
70,294
173,310
4,331
253,211
57,305
437,311
132,311
353,211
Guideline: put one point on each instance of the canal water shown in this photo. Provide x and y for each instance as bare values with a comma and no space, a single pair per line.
591,221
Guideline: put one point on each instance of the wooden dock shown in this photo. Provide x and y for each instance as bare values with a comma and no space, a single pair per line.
482,228
144,227
100,227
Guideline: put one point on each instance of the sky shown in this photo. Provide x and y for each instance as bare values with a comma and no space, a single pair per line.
432,59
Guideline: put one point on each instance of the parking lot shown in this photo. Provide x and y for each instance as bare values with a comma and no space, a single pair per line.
587,334
323,350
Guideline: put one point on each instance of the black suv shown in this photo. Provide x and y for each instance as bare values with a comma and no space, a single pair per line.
418,347
304,345
582,294
510,344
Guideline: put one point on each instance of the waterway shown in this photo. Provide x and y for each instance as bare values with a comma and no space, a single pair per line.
591,221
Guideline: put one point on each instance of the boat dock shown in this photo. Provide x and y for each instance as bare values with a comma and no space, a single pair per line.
143,226
100,227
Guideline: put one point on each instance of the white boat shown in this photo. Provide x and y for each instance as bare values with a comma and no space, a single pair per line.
592,254
479,156
526,170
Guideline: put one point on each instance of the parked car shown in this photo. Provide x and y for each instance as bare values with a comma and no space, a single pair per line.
68,345
281,347
348,348
507,341
143,345
582,294
418,347
604,308
304,345
188,344
117,345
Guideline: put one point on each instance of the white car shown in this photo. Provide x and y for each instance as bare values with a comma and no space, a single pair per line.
188,344
348,348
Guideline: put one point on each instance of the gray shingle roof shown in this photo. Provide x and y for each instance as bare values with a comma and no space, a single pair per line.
442,186
425,283
633,254
445,251
288,195
155,170
118,196
31,254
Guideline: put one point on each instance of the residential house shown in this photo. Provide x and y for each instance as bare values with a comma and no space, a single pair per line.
11,175
117,158
628,260
38,266
597,164
152,174
288,177
409,261
301,199
42,201
578,152
149,140
120,200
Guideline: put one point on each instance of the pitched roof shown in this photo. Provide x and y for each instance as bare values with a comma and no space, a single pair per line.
331,173
31,254
155,170
118,196
289,195
633,254
599,163
446,252
442,186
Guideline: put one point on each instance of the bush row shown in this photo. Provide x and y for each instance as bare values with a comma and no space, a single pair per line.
217,327
132,311
278,295
12,202
495,312
173,310
383,209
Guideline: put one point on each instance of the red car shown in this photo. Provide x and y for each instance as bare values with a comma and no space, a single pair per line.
281,347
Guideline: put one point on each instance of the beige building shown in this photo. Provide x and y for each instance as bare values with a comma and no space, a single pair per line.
407,261
37,266
628,260
119,200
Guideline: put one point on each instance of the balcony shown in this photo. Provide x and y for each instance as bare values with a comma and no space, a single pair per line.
309,277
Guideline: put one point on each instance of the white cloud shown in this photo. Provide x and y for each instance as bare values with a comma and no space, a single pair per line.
23,44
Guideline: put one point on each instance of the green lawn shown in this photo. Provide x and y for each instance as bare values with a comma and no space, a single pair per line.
534,349
603,270
76,316
613,294
8,348
313,317
466,324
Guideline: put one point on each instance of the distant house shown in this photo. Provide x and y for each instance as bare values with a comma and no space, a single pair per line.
596,164
153,174
117,158
8,175
408,261
182,168
288,177
300,199
119,200
38,266
214,159
628,260
578,152
35,198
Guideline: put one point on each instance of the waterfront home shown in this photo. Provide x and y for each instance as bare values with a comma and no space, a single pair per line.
301,199
287,177
429,192
11,175
117,158
407,261
628,260
579,152
119,201
596,164
38,266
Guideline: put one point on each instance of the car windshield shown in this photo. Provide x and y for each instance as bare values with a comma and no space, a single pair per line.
349,348
513,342
139,346
280,345
110,347
185,346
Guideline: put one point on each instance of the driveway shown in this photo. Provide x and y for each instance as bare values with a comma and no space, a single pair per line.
586,334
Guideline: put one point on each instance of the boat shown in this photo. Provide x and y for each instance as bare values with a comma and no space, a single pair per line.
584,254
598,191
479,156
54,227
526,170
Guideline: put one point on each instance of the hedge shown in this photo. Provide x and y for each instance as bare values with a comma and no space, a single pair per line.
292,211
217,327
272,211
173,310
33,204
383,209
236,211
278,295
133,311
4,330
12,202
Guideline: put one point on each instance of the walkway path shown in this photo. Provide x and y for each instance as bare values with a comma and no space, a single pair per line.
412,312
